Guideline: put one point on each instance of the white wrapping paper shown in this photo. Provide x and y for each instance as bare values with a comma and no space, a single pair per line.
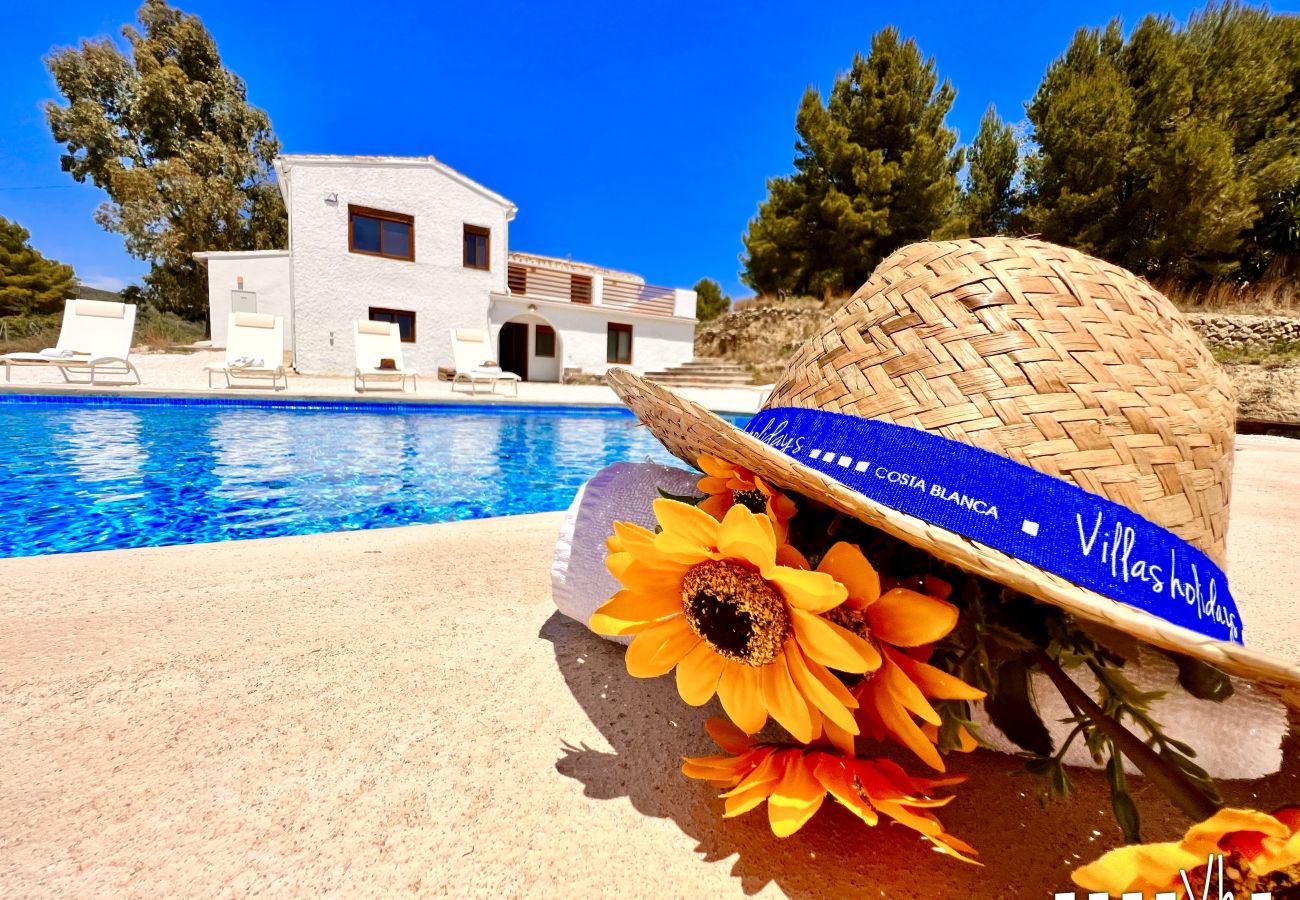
1239,738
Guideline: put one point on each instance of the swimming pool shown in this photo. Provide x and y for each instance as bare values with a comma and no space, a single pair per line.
97,473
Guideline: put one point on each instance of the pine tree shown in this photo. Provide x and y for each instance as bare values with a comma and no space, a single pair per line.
990,202
875,169
710,301
1083,116
30,284
170,136
1166,153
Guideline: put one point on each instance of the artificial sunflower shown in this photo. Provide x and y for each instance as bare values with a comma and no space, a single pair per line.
710,599
900,622
727,484
795,781
1261,854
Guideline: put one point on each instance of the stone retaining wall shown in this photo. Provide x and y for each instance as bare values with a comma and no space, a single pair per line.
1241,331
778,327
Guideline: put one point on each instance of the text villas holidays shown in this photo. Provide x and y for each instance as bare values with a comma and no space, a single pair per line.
774,434
1118,549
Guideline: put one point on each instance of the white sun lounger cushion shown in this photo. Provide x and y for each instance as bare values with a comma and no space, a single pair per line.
101,309
254,320
368,327
471,335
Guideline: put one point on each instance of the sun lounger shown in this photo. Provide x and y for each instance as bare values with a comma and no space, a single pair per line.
379,357
472,354
254,350
94,340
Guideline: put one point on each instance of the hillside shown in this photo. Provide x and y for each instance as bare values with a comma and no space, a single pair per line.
1261,353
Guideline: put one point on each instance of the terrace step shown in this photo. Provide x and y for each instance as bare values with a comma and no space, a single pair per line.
703,372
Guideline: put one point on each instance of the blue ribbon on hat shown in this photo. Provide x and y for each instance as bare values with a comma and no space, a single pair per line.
1042,520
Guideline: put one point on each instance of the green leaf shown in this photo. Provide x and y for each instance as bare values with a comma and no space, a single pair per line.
1202,680
1121,802
688,499
1012,710
1126,814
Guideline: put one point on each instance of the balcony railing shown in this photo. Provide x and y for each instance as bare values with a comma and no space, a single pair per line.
641,298
628,296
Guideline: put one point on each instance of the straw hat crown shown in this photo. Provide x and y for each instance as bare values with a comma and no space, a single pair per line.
1060,361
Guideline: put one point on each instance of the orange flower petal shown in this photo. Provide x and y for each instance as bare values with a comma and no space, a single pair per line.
934,682
878,703
741,697
698,674
784,702
746,798
814,592
765,768
1204,837
686,524
817,693
630,535
903,689
748,537
728,736
628,612
1122,869
788,556
838,781
907,619
840,739
654,652
831,645
846,564
796,797
717,505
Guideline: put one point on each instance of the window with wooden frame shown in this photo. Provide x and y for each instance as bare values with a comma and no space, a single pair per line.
477,244
376,232
544,342
618,344
517,279
580,288
403,318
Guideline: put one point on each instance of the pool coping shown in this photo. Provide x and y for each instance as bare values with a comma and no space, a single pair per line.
132,395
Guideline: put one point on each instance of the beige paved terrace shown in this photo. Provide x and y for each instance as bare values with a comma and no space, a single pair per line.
182,374
401,712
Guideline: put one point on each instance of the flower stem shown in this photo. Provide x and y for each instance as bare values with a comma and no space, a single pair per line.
1163,774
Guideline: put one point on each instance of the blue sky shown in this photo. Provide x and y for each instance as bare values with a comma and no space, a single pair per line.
637,136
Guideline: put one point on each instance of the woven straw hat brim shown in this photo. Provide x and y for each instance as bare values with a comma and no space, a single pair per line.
689,431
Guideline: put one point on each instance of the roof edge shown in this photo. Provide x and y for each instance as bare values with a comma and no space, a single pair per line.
285,163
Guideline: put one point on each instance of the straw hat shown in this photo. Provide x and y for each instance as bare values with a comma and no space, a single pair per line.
1035,352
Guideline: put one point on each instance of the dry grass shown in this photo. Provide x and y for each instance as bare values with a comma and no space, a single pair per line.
1283,353
155,330
1275,297
28,334
166,331
792,302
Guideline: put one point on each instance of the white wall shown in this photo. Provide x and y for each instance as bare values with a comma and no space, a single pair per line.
265,273
658,342
540,368
333,287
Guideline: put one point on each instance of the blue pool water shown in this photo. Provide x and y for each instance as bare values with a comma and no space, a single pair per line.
104,473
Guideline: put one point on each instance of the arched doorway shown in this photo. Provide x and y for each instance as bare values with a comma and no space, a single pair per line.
529,346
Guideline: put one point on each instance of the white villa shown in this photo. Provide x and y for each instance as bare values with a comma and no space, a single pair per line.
412,241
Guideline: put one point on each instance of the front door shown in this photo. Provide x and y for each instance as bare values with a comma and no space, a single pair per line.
513,348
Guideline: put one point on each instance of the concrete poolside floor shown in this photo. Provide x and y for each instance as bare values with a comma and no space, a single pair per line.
181,374
402,712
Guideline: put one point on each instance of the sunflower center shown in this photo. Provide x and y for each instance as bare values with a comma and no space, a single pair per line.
1237,875
755,501
740,615
855,620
